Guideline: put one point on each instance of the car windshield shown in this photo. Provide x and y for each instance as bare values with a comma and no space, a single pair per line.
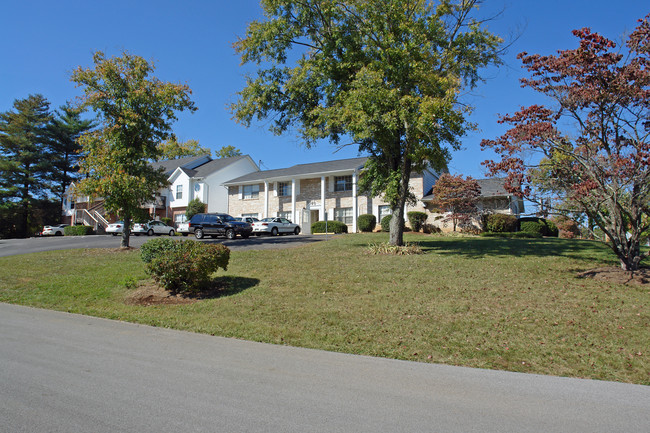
227,218
267,219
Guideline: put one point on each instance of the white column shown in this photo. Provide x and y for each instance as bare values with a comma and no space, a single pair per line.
265,214
355,202
293,201
322,198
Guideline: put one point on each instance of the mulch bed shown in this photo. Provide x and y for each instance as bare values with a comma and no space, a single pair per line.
617,275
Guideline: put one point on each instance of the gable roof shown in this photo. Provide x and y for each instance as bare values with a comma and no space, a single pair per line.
215,165
169,165
492,187
301,170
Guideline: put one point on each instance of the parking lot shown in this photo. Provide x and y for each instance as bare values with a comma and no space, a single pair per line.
9,247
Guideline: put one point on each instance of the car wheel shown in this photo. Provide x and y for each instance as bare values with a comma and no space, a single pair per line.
296,231
136,234
258,234
230,234
184,234
245,236
274,231
171,233
114,234
58,234
150,232
198,233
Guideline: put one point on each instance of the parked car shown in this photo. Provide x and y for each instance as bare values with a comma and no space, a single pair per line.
275,226
218,224
115,228
153,228
249,220
57,230
183,228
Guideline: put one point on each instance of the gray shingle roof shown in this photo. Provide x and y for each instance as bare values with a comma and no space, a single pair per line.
300,170
169,165
215,165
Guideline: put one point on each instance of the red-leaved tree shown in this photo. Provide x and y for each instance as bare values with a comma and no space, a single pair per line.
457,196
601,162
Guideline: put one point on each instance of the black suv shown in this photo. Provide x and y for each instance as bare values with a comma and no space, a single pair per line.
218,224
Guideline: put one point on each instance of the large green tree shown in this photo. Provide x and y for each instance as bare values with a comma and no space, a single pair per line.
135,112
25,165
384,74
228,152
174,149
64,130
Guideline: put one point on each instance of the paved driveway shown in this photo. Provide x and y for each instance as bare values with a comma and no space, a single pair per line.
10,247
62,373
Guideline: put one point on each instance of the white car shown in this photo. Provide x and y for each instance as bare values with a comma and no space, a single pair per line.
275,226
57,230
115,228
183,228
153,228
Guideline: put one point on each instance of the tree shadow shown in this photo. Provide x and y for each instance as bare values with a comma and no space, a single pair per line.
476,248
222,286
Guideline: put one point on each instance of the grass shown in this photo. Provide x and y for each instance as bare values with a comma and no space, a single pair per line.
507,304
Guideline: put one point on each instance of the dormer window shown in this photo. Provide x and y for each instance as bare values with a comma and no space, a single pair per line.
179,192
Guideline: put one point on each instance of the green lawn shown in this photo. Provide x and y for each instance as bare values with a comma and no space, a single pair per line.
508,304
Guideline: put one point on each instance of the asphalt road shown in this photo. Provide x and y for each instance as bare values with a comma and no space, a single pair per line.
9,247
68,373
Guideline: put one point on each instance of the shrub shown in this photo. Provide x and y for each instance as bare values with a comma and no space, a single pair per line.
385,223
538,225
166,221
500,223
187,267
157,248
567,228
332,227
78,230
430,228
193,207
366,222
416,220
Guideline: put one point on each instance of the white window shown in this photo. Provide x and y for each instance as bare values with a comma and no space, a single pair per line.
284,188
179,218
251,192
342,183
179,192
383,211
286,215
343,214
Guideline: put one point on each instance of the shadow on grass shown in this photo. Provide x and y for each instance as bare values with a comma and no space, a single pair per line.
502,247
225,286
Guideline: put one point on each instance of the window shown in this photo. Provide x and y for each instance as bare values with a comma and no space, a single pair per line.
383,211
179,192
342,183
180,218
343,214
286,215
251,192
251,215
284,188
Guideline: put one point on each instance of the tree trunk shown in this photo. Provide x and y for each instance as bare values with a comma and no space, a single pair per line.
397,219
126,232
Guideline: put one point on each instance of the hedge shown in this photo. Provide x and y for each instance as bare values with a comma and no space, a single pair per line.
538,225
184,267
366,222
332,227
78,230
510,235
385,223
500,223
416,220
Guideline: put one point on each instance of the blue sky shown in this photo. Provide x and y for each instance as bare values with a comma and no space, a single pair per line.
191,42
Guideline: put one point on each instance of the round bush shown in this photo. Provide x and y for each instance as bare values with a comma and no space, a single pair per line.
385,223
533,227
366,222
540,225
501,223
188,266
157,248
332,227
416,220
